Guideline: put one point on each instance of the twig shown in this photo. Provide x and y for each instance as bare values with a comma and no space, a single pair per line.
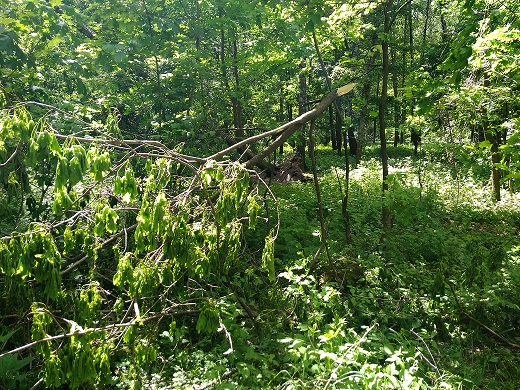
67,335
434,364
495,334
333,373
11,158
35,386
123,232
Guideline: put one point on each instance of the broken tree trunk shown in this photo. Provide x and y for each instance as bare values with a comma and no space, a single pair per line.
285,131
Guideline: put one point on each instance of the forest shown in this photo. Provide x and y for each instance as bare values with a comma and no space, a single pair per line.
260,194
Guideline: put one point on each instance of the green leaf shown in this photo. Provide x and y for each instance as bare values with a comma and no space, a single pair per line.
484,144
10,364
75,171
80,87
158,211
268,256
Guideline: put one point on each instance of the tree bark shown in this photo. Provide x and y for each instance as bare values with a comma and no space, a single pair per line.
382,110
302,107
425,27
496,157
235,97
396,103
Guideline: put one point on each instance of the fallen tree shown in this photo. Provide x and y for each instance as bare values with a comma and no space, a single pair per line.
283,132
111,241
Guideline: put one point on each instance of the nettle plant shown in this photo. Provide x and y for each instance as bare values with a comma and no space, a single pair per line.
112,241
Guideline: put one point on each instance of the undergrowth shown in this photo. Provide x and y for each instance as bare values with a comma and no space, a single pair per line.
435,306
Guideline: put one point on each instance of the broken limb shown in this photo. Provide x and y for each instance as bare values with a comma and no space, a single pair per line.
286,130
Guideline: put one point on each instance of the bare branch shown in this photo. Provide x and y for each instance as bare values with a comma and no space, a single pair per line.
66,335
11,158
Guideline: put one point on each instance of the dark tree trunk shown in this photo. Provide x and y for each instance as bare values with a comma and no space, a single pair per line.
302,108
386,222
332,128
416,140
235,100
339,128
425,28
410,37
493,138
363,113
375,123
281,112
396,107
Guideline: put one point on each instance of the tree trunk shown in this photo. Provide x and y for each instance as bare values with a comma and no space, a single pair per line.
281,112
410,36
302,108
344,202
235,97
396,103
332,128
363,113
339,132
321,217
493,138
337,104
376,119
285,131
425,28
382,110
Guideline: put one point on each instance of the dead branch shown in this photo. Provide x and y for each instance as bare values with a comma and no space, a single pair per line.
484,326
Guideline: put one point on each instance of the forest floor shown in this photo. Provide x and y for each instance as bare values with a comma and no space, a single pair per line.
435,305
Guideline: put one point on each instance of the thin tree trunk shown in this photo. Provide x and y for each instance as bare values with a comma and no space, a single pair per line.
444,27
302,108
396,103
223,69
493,138
339,135
332,128
425,28
312,155
363,113
337,106
281,112
382,110
344,202
235,99
378,89
402,108
410,36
